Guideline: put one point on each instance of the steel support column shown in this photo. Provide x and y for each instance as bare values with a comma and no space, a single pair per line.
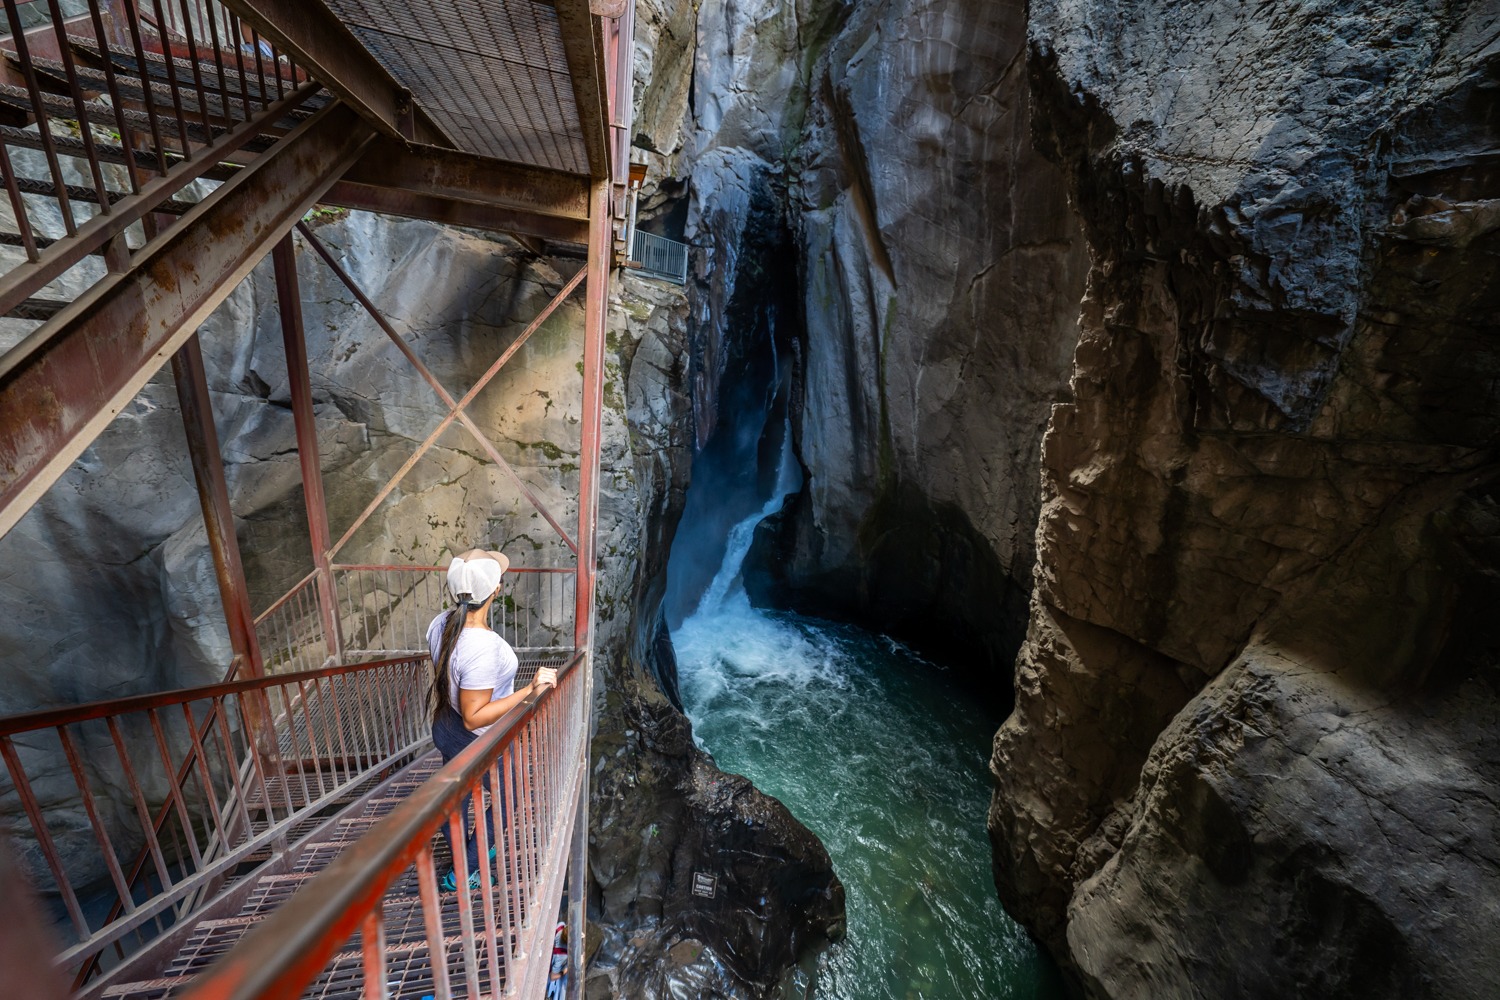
578,857
596,291
213,494
289,299
62,385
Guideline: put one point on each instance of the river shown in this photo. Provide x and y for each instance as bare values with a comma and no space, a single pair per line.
882,756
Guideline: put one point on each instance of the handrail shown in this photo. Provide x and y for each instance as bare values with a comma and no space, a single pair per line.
293,946
49,718
245,762
284,598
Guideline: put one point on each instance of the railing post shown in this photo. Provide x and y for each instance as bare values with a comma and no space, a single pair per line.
596,291
213,495
578,852
289,299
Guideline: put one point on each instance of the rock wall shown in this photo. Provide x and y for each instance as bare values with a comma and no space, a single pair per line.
940,273
1253,750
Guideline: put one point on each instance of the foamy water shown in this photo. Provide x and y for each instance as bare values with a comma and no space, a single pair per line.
885,760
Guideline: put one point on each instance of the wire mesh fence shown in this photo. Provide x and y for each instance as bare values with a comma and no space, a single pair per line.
138,810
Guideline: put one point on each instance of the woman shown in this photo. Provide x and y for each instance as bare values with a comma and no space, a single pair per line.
473,681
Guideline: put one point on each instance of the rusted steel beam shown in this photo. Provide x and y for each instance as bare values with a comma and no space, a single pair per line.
410,205
213,495
456,176
318,40
61,385
583,42
578,874
595,308
289,299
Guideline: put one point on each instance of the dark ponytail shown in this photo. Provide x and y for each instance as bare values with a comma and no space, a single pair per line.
452,627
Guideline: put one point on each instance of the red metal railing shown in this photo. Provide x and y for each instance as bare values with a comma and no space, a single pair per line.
212,777
384,610
291,632
376,918
388,608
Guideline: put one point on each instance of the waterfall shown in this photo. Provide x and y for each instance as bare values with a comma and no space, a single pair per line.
741,536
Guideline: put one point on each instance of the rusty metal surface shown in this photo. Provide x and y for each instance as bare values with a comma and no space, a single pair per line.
534,756
466,190
492,73
474,215
68,379
90,236
464,177
289,301
213,496
594,311
329,732
318,39
583,43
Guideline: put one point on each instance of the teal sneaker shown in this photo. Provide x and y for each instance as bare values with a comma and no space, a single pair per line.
449,882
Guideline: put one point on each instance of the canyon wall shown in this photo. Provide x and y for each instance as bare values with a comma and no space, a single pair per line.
1253,751
941,269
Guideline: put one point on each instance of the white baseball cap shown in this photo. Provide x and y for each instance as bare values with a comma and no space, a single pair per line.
476,574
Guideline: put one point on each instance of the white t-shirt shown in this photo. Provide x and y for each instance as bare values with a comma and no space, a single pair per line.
481,661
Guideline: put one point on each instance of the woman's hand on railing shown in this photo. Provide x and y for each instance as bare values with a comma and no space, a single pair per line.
545,678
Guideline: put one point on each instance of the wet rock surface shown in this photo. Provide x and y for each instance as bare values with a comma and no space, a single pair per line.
661,815
940,268
1253,751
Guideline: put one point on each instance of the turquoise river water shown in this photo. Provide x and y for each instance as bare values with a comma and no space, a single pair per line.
883,757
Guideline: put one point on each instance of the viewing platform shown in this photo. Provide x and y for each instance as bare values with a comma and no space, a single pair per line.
278,834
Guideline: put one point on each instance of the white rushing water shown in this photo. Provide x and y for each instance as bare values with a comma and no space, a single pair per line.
885,760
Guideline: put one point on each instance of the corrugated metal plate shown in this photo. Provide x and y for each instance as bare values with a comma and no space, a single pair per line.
492,74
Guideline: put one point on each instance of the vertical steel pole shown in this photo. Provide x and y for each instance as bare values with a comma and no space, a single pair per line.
596,290
289,298
213,494
578,858
596,306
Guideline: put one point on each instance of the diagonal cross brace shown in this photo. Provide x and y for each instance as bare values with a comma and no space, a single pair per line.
455,408
74,373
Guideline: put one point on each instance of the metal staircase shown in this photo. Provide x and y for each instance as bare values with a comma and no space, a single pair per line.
276,835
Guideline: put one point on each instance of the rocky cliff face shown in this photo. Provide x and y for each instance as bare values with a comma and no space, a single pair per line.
941,268
1253,751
